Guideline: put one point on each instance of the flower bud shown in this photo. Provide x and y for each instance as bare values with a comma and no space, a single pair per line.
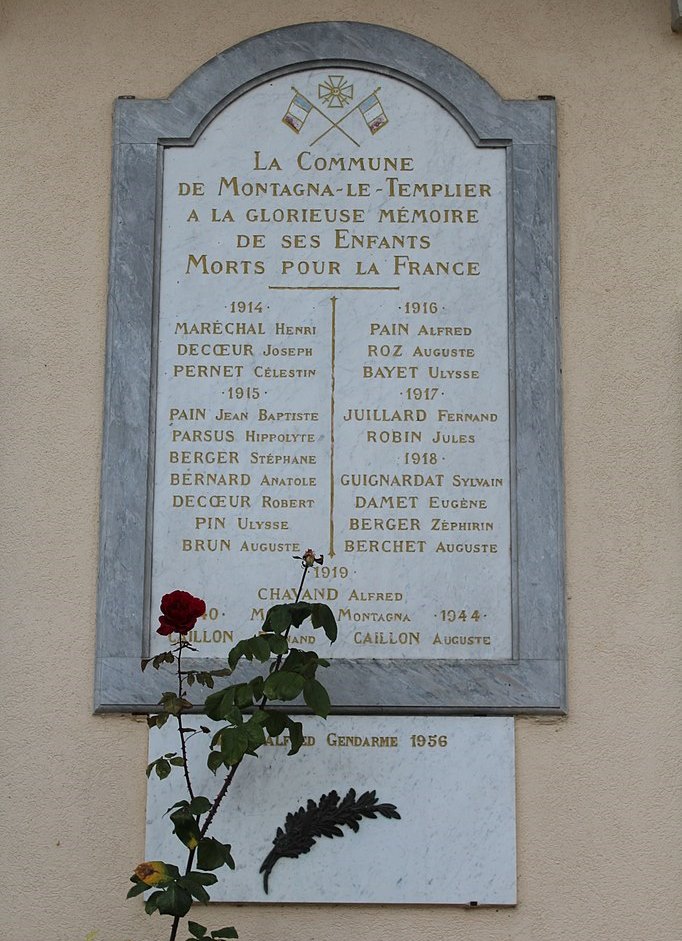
309,558
154,873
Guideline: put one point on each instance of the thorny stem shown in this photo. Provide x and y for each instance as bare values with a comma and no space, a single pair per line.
278,661
216,803
185,768
233,770
181,729
176,919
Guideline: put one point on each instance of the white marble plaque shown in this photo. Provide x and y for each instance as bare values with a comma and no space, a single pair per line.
333,369
451,779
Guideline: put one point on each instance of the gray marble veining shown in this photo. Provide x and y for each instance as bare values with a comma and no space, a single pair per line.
450,778
532,679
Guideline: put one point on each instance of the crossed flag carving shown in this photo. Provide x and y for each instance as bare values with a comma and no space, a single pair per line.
370,108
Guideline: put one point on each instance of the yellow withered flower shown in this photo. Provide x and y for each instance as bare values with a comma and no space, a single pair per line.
154,873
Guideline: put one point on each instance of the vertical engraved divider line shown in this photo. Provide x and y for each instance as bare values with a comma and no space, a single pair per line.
343,287
332,553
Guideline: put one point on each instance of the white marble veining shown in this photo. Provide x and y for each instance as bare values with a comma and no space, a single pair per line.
455,841
455,679
304,317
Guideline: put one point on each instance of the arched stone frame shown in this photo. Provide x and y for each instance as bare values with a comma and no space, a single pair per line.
533,681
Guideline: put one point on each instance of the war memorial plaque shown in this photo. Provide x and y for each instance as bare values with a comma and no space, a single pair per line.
332,368
450,779
334,274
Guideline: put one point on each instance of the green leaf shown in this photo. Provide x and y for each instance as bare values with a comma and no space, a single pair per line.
300,661
239,650
224,933
195,888
137,890
212,854
187,832
156,661
255,732
157,721
218,704
152,902
275,723
295,730
233,745
317,698
174,900
174,704
214,761
277,643
163,768
233,715
204,878
185,827
299,612
243,695
260,648
283,685
323,616
278,619
196,929
199,892
177,762
200,805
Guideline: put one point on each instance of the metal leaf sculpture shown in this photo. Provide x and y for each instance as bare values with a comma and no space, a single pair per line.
324,818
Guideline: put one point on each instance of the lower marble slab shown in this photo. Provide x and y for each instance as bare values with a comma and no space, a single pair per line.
451,779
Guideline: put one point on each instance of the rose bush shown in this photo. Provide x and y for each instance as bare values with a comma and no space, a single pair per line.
245,708
179,613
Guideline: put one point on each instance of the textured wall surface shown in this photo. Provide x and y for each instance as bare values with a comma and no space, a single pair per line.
598,816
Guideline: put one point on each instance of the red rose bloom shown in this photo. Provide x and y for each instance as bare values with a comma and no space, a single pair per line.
179,613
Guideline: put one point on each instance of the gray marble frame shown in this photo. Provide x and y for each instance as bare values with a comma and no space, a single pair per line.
676,15
533,681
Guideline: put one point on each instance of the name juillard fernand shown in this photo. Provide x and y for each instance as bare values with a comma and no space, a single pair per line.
319,391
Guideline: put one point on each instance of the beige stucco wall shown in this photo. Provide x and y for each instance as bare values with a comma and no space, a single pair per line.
598,817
